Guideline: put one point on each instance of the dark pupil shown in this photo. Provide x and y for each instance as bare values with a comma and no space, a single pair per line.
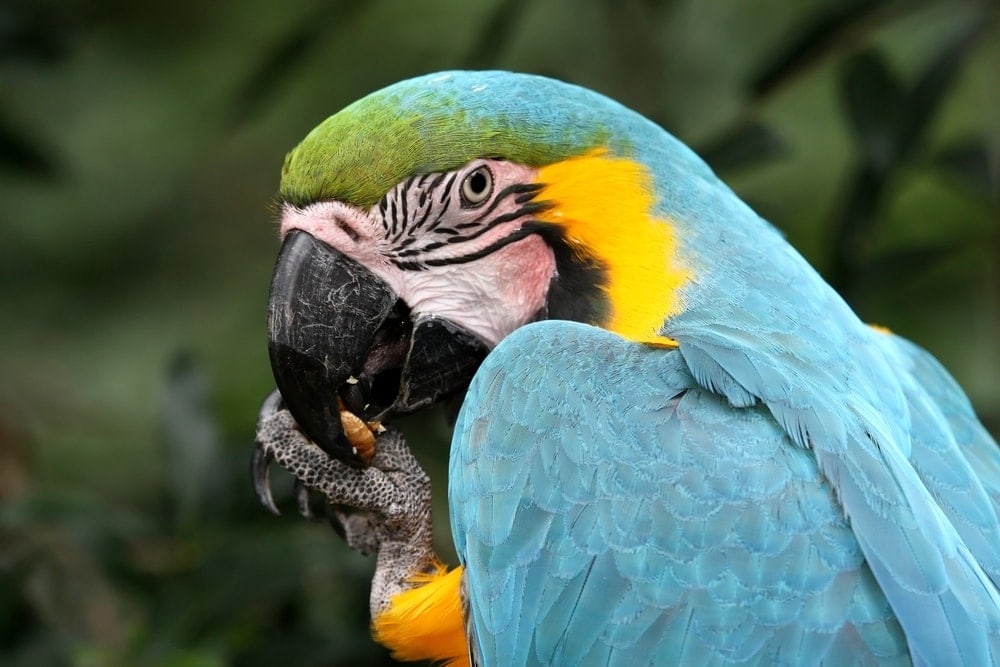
477,183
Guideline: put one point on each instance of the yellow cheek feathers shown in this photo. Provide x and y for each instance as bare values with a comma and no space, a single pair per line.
604,205
426,622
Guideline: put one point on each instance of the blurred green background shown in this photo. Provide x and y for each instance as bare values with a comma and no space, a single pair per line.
140,147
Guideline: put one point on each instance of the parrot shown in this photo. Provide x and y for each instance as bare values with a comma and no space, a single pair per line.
675,443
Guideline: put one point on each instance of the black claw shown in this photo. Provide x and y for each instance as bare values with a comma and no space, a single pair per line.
301,492
336,520
260,465
269,407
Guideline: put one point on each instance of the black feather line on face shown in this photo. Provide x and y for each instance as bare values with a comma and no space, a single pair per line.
404,215
426,215
577,291
409,257
516,189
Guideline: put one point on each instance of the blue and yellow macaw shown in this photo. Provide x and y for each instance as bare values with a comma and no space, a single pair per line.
676,443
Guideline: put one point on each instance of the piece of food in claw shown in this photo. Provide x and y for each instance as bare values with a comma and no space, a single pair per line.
360,434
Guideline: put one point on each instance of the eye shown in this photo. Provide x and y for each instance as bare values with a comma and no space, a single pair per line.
477,186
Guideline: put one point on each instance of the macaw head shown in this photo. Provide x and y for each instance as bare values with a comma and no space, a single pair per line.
428,220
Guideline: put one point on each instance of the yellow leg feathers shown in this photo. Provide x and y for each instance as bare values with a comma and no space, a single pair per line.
425,622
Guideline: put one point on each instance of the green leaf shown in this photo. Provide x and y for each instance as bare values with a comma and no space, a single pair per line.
873,101
820,35
968,163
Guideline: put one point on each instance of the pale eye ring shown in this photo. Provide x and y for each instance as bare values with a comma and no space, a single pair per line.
477,186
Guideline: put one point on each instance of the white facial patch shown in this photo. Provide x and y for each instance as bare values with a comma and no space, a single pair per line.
449,244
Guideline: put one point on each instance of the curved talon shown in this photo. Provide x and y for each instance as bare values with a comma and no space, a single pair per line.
260,465
269,407
301,492
336,519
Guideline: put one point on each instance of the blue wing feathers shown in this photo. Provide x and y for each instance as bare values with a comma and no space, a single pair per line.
865,404
956,459
674,500
656,519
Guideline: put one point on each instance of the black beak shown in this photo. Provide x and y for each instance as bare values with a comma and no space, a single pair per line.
335,329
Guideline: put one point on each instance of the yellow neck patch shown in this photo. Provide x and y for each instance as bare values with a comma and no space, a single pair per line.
604,205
